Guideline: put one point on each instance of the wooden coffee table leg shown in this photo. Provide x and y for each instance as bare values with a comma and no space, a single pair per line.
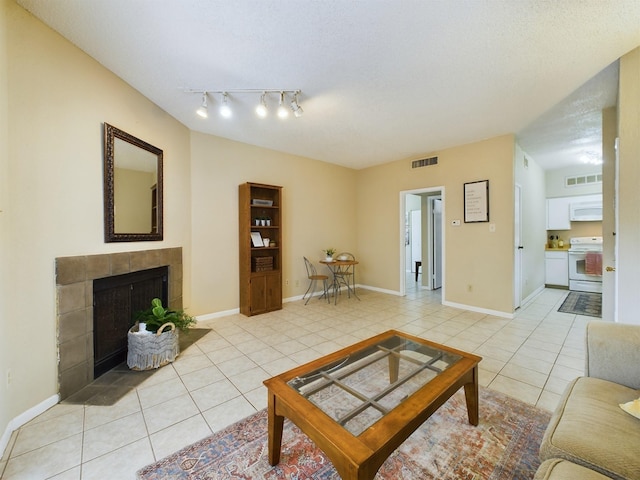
276,423
471,394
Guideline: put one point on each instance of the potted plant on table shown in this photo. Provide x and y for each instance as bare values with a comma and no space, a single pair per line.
150,345
329,253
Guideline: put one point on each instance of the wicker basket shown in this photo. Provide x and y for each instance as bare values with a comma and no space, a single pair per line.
147,351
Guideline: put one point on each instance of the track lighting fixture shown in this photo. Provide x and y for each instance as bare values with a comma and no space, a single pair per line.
203,111
297,109
262,109
282,111
225,109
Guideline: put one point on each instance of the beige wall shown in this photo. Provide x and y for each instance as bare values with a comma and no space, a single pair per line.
472,253
628,264
53,205
319,211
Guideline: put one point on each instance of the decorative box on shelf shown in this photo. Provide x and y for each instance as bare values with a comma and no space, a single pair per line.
261,202
262,264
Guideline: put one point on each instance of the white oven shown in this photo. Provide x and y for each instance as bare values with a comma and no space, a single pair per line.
585,264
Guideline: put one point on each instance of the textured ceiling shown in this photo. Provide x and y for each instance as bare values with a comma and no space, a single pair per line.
381,80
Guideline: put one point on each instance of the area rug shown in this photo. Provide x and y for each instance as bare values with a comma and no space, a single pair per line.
504,446
583,303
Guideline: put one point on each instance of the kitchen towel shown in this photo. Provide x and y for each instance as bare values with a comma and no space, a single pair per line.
593,263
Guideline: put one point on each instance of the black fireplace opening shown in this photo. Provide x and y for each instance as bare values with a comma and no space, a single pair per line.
116,300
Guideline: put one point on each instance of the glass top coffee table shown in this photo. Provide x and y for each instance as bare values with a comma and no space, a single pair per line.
359,404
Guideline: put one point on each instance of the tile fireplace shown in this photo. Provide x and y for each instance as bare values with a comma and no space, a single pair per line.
74,289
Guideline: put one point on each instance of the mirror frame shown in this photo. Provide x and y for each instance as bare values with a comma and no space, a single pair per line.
110,134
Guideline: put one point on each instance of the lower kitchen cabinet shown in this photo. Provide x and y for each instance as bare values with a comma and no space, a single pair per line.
556,268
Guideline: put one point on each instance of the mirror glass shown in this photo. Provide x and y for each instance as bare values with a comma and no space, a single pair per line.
133,188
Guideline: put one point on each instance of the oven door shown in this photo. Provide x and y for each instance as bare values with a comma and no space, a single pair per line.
577,271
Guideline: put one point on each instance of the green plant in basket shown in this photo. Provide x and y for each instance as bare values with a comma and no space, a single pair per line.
157,315
330,252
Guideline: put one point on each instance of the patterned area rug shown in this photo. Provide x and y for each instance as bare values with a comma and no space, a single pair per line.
503,446
583,303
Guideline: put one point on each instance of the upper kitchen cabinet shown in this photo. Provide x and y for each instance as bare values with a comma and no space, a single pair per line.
563,210
558,213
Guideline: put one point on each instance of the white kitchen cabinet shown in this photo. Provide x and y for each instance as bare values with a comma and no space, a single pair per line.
558,213
556,268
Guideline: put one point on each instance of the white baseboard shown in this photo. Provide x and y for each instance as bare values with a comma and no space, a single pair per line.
533,295
26,417
381,290
495,313
211,316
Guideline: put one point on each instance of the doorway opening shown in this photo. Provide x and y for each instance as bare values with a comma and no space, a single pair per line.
422,239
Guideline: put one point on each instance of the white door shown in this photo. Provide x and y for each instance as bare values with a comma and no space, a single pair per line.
436,250
610,255
416,237
517,264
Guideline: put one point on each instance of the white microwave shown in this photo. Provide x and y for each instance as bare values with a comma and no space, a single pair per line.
585,211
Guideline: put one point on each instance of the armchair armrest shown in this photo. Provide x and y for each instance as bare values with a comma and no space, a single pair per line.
613,352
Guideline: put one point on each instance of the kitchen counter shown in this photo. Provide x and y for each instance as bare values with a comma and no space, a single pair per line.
565,248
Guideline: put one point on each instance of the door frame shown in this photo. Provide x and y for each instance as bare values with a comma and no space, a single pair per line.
432,242
517,261
402,231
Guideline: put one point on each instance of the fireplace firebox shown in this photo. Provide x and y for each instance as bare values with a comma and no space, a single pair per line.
116,300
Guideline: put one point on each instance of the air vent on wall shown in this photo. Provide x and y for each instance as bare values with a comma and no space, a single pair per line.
425,162
579,180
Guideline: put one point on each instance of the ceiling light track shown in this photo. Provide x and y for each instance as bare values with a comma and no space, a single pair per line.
262,109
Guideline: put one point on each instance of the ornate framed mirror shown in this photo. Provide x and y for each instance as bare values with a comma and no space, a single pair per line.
132,188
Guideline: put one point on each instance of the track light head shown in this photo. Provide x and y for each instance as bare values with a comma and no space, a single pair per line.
261,109
225,109
282,111
203,110
297,109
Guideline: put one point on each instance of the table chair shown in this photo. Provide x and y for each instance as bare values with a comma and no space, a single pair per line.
313,276
346,274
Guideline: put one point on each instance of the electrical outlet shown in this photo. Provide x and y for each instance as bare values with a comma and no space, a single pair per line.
469,288
8,377
286,282
297,283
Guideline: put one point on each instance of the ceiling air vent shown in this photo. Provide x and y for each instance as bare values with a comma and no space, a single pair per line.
580,180
425,162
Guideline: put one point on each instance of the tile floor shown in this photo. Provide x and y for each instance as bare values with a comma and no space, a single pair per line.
126,420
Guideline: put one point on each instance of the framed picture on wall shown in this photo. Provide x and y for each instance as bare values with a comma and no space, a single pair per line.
476,201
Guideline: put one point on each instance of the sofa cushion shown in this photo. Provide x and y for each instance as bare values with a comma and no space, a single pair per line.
589,428
558,469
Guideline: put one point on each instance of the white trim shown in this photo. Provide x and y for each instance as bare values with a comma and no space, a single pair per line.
299,297
495,313
211,316
533,295
26,417
381,290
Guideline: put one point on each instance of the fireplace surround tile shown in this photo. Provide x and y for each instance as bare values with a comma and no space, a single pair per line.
74,288
98,266
71,270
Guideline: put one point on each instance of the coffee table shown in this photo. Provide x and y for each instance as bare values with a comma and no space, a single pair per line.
361,403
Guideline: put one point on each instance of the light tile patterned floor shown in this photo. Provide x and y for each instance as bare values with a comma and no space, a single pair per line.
218,379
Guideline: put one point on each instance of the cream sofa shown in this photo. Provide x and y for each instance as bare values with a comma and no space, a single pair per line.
589,435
